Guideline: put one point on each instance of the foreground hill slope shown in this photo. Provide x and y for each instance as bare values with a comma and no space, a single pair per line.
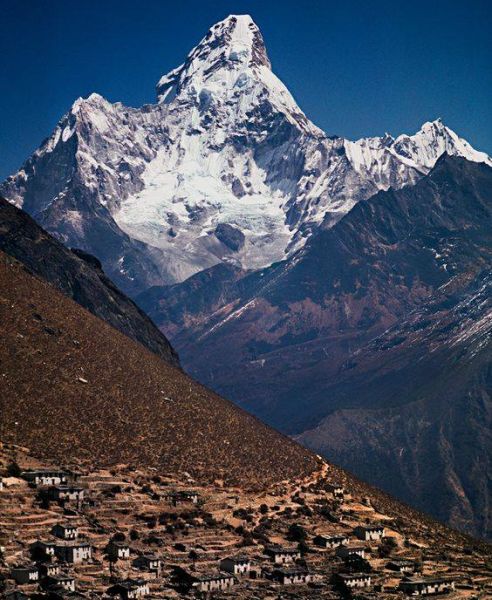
74,388
79,276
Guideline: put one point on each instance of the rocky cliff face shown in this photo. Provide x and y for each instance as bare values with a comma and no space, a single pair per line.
287,342
151,190
79,276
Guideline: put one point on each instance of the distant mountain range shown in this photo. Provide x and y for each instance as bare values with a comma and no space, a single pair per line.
292,269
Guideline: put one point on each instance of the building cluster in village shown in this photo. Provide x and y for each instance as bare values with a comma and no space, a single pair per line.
48,568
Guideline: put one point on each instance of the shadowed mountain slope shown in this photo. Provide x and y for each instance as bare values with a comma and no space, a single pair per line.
277,340
79,276
416,416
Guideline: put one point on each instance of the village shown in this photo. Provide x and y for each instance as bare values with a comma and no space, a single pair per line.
129,533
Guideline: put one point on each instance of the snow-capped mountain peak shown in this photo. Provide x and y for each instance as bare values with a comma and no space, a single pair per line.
229,74
224,167
431,141
234,44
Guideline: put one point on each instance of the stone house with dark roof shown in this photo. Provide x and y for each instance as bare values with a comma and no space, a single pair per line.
291,575
353,580
74,552
45,476
283,554
401,565
25,574
129,589
62,580
426,586
369,533
118,550
148,562
330,541
352,550
65,531
41,549
237,565
203,582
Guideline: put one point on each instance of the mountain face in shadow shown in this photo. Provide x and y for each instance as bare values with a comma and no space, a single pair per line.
279,340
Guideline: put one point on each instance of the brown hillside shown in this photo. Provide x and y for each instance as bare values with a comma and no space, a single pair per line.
75,389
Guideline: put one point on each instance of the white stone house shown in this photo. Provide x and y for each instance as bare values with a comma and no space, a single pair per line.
65,531
237,565
118,550
354,580
67,582
129,589
428,586
292,576
214,583
74,551
45,476
369,533
327,541
282,554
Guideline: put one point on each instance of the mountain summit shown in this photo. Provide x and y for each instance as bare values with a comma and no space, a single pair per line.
225,167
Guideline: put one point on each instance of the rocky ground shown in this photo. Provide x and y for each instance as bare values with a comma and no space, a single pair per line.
130,505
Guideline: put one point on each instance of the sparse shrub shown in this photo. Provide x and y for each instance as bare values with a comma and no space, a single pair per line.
305,510
296,533
263,509
386,547
329,516
134,535
13,470
209,520
193,555
248,539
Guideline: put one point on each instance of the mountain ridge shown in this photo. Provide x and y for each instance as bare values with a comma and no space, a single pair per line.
87,393
147,189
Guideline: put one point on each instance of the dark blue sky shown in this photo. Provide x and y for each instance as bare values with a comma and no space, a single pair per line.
356,68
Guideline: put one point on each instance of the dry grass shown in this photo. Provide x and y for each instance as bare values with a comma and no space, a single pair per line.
75,389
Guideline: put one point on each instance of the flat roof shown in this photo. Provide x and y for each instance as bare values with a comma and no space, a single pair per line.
428,580
292,571
72,544
212,576
240,558
282,549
